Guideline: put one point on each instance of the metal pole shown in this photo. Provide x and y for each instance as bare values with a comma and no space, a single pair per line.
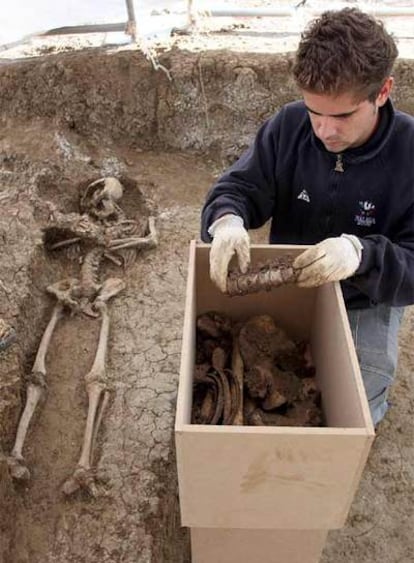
285,12
190,19
249,12
95,28
131,28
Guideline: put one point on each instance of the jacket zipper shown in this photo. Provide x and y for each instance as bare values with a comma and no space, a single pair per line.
330,213
339,164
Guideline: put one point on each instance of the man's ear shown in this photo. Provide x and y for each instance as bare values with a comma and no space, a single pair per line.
385,92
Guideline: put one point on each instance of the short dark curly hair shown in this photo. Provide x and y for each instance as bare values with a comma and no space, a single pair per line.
345,51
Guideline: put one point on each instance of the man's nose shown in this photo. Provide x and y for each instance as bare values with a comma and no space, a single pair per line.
326,127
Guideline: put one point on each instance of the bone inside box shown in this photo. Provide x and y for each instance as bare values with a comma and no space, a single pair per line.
252,373
238,474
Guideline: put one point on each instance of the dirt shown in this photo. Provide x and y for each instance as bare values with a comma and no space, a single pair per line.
69,118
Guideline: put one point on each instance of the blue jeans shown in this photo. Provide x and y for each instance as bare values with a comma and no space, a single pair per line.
375,334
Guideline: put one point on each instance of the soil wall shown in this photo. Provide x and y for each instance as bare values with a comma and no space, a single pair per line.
210,101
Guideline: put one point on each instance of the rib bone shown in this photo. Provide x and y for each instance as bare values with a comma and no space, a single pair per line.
35,391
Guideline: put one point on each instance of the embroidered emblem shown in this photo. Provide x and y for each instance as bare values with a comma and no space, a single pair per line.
304,195
365,216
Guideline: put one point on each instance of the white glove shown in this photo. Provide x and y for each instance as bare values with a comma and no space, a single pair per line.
229,238
333,259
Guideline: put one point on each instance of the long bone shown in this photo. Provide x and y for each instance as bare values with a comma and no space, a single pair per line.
35,391
150,241
96,386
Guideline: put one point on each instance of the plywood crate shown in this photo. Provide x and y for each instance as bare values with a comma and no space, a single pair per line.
268,477
248,546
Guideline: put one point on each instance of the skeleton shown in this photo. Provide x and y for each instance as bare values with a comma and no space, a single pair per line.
104,232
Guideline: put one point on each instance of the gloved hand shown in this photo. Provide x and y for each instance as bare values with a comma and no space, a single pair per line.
229,237
333,259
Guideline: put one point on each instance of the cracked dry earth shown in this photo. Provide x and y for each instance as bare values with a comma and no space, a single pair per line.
137,520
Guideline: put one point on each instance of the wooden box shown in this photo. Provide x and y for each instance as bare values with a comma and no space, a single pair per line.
274,477
264,546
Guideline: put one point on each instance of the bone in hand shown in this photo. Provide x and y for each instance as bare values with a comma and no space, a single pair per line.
262,277
35,391
96,386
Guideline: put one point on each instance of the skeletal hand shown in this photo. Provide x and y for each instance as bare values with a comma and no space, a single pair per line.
229,238
333,259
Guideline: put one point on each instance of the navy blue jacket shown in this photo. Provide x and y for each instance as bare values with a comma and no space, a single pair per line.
311,194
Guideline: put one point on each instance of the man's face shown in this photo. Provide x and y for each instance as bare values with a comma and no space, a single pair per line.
342,123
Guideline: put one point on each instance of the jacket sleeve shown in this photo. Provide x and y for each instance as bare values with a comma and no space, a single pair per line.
248,187
386,272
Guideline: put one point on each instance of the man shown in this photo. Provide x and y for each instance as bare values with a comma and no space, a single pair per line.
336,171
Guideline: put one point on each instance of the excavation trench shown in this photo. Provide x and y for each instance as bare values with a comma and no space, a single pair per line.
69,119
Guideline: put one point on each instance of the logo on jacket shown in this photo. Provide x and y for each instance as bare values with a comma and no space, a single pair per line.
366,214
304,195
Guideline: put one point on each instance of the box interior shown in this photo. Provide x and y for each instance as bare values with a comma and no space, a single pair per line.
315,314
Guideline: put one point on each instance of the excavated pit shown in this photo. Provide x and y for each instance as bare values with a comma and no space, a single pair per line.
67,119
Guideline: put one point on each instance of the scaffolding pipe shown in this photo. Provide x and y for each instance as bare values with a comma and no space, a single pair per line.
94,28
190,20
381,11
130,10
248,12
131,28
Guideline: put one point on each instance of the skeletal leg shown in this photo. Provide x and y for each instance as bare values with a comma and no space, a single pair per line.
96,386
35,390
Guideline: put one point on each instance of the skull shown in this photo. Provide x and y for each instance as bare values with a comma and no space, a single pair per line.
101,197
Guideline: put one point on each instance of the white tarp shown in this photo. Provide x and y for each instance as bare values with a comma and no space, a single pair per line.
156,18
27,17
